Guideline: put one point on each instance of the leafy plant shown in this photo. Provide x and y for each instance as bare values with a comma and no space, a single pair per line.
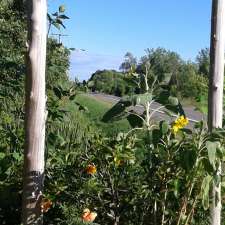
57,19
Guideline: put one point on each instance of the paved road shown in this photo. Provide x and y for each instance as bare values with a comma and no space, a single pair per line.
193,115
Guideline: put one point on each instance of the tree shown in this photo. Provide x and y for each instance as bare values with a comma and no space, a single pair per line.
203,62
191,84
129,61
162,62
216,79
110,82
35,114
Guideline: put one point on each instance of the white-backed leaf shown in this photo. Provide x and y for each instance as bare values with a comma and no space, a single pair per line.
212,148
205,191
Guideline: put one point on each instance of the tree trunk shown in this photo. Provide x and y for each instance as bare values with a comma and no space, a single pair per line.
215,107
35,115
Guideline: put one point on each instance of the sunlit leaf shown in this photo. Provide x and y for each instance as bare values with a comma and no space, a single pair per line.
62,8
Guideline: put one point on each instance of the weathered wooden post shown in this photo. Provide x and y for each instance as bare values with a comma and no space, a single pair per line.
35,116
215,106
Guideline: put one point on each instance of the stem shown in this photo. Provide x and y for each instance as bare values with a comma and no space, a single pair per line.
49,27
129,132
181,211
155,110
117,220
191,212
115,199
155,213
147,108
146,80
164,207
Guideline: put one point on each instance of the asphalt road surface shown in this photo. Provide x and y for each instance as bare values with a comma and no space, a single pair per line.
192,115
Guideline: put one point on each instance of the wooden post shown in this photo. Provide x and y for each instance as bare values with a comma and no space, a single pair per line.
215,106
35,115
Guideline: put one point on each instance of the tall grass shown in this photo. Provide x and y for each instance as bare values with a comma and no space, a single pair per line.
96,110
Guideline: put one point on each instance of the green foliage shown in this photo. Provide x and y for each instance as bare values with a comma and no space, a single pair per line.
205,188
110,82
57,62
12,74
12,46
57,19
169,173
175,163
192,85
157,91
162,62
203,60
185,79
152,173
129,61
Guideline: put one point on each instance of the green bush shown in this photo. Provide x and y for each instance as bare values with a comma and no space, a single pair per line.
110,82
153,173
133,177
192,85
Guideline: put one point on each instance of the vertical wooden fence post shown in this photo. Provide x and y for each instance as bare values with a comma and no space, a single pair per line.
216,80
35,115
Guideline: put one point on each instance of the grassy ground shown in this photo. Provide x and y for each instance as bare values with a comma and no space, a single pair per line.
98,107
96,110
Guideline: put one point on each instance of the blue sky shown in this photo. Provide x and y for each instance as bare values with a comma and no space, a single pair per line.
107,29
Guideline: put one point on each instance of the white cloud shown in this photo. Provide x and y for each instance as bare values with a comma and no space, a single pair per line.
84,64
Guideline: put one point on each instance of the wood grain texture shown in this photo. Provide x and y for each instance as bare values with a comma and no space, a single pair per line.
216,80
35,116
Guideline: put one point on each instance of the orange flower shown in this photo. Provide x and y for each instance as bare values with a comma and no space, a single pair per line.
88,216
46,205
91,169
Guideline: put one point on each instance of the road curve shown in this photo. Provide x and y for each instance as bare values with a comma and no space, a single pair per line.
192,115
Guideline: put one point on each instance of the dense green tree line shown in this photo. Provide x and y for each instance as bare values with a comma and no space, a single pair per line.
110,82
190,79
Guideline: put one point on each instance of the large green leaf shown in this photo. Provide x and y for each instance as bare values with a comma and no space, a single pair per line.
64,17
171,103
58,91
134,120
164,127
207,166
212,148
2,155
188,159
176,184
117,111
142,99
205,191
156,136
